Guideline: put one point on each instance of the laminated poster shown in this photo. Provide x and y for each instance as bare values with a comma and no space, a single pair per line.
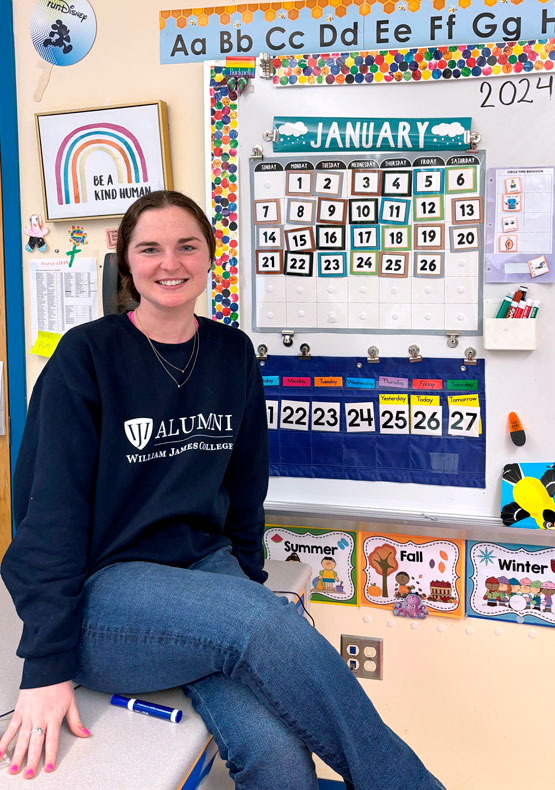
527,492
510,582
330,553
521,225
396,569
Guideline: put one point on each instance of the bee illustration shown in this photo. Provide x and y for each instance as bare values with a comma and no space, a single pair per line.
532,497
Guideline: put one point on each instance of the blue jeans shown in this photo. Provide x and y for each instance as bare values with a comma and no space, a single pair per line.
269,687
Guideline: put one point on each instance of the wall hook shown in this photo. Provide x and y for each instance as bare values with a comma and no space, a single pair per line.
287,335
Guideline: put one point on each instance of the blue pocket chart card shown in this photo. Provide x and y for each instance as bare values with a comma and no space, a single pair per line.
510,582
393,420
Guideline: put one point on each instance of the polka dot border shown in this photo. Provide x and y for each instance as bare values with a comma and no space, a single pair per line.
416,64
224,193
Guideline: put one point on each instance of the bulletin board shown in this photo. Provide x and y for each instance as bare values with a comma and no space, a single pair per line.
509,112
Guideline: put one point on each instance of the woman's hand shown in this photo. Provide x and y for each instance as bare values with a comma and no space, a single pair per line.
43,708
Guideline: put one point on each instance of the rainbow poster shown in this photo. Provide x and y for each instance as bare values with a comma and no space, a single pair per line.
95,163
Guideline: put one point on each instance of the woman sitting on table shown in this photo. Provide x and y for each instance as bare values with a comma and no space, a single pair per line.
137,563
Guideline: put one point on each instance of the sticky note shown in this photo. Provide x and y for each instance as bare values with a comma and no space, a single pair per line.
45,344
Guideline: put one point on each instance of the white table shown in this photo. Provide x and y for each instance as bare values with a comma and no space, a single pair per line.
127,750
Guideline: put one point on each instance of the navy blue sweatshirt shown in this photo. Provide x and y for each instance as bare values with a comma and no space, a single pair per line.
118,464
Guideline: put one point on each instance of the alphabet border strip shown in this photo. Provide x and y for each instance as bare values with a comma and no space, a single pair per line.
424,63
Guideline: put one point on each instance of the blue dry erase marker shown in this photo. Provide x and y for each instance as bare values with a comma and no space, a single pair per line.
147,708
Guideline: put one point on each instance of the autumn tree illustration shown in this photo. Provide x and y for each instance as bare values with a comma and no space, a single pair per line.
382,559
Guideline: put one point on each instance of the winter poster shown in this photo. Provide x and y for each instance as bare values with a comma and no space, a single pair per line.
510,582
527,492
330,553
414,576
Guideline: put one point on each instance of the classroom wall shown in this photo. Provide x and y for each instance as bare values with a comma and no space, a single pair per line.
470,696
121,68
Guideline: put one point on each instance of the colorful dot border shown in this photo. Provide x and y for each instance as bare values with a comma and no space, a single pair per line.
224,194
416,64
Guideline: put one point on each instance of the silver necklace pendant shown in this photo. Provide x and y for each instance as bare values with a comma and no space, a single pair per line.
159,357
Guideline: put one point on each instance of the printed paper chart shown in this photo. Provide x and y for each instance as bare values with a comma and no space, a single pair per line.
510,582
394,569
521,225
366,243
330,553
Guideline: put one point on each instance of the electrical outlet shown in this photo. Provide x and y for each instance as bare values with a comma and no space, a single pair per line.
364,655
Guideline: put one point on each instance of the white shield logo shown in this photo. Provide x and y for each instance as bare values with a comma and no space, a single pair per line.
138,431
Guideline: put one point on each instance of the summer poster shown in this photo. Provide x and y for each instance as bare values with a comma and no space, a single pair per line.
510,582
408,572
330,553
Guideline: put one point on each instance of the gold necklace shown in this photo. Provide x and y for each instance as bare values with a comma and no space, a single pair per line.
161,359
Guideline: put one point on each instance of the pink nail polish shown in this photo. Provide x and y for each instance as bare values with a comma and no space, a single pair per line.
49,767
14,769
85,731
29,772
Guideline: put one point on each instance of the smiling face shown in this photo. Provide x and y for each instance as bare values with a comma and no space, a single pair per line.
169,259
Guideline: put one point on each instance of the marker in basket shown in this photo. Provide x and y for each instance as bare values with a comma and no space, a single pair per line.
512,309
535,307
147,708
504,306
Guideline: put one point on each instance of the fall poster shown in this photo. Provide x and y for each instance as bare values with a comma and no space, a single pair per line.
331,554
394,567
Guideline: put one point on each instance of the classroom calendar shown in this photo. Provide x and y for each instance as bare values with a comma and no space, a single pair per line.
347,418
374,242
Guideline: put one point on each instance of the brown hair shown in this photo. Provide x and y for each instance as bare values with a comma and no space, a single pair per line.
128,294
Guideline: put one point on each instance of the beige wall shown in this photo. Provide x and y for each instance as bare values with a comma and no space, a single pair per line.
472,697
122,67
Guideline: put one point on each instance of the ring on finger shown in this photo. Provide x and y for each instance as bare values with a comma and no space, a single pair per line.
38,731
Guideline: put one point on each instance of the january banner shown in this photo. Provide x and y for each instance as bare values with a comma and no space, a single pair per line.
330,553
510,582
302,134
412,575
